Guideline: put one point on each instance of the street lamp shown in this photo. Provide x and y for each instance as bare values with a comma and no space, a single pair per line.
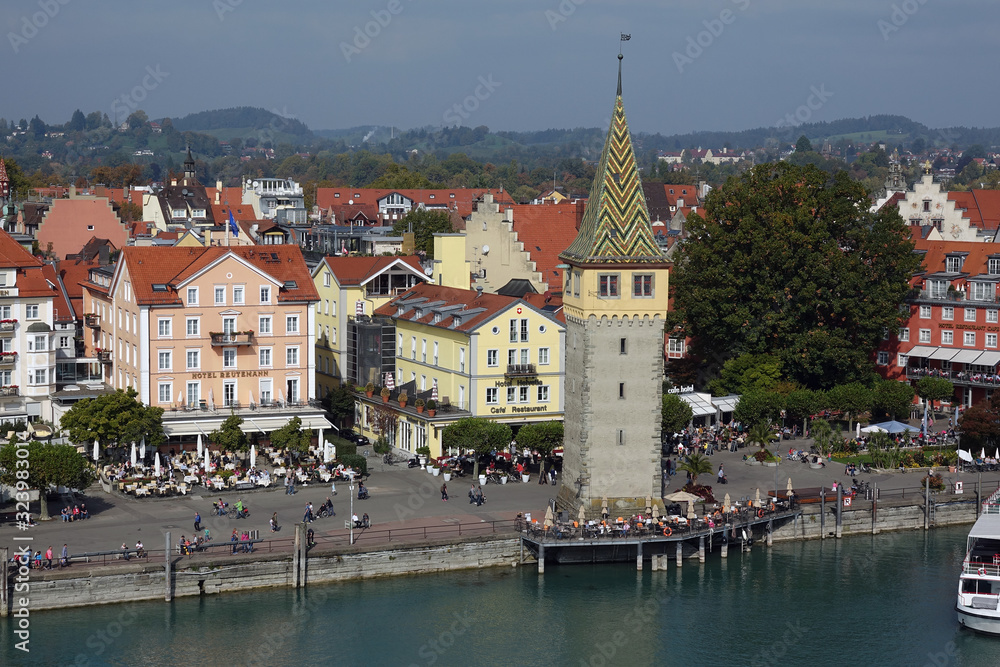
350,490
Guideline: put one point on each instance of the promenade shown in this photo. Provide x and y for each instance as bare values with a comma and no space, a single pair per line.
405,506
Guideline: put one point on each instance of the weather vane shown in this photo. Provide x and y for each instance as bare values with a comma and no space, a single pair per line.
624,38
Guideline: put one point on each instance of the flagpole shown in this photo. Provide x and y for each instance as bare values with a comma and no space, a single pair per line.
227,227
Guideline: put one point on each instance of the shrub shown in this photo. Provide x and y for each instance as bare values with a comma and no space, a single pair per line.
423,451
702,491
344,447
359,463
936,482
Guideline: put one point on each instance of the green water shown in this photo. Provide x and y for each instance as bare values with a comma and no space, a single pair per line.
887,600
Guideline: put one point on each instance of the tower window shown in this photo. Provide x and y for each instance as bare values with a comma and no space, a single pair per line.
621,390
642,285
623,346
608,285
621,437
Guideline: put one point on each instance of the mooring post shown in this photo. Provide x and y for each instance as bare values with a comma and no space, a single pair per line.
638,557
701,549
4,583
874,508
927,502
296,547
541,559
680,553
840,509
770,529
822,513
979,498
655,562
724,547
166,569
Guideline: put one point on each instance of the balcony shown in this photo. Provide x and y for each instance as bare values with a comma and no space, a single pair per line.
234,338
104,356
8,359
520,370
7,326
12,390
92,321
961,378
942,295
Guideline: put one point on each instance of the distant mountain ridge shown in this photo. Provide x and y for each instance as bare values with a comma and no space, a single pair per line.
252,120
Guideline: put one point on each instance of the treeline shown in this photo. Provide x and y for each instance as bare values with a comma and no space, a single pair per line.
243,117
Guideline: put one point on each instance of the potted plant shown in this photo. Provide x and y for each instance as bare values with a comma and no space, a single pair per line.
422,454
369,389
431,407
419,405
385,394
435,470
402,397
447,473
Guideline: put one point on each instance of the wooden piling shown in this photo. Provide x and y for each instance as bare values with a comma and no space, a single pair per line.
840,510
541,559
874,509
296,547
701,549
680,554
167,561
638,557
927,503
4,582
655,562
770,530
822,513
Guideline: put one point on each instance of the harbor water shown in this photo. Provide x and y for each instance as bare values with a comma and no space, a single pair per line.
881,600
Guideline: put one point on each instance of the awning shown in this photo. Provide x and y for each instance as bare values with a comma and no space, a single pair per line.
726,403
967,356
265,423
921,351
944,354
701,404
988,359
986,527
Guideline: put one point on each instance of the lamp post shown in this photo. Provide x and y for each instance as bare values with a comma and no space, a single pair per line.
350,490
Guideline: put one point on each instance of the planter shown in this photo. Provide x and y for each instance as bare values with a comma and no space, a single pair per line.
420,409
422,460
752,462
952,469
430,413
435,471
385,399
430,469
524,477
369,394
482,480
816,466
771,464
503,480
402,404
447,477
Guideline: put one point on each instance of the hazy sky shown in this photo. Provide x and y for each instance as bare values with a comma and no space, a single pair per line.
507,64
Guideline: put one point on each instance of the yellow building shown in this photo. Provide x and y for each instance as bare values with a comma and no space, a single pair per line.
487,355
350,289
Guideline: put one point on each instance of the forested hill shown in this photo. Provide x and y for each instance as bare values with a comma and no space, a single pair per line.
253,118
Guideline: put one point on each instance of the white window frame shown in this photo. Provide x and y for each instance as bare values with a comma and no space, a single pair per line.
991,340
192,296
991,316
265,294
164,360
904,334
493,358
492,396
924,336
543,393
220,295
197,360
264,325
947,337
239,295
969,339
292,356
164,327
291,324
543,356
169,387
229,357
925,312
947,313
192,323
970,314
883,358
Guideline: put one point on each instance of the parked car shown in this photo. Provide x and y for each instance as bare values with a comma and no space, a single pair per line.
356,438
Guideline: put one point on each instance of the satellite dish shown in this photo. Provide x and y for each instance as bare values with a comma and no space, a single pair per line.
184,192
486,250
256,184
429,271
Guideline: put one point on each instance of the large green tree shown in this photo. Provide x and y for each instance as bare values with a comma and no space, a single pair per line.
892,398
802,404
748,372
292,437
542,437
755,407
424,224
675,414
852,399
230,436
980,424
115,420
790,261
477,434
697,464
45,466
934,389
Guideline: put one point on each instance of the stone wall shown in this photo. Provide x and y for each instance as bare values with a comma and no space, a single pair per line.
83,586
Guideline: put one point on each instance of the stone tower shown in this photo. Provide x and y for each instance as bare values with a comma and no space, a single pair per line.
615,302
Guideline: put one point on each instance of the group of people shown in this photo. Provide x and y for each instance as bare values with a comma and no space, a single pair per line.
36,562
75,513
140,550
476,495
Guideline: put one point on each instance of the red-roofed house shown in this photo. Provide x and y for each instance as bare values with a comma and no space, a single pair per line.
203,331
392,205
70,223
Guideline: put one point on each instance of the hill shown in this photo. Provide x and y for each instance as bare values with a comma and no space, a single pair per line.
243,122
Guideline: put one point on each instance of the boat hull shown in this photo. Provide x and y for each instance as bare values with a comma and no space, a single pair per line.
975,619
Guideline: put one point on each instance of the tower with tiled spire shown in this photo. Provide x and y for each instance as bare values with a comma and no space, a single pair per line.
4,181
615,302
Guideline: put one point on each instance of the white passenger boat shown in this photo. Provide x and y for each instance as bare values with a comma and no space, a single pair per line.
979,583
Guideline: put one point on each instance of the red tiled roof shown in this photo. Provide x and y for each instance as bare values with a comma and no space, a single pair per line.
456,198
12,255
68,222
172,265
73,274
546,231
355,270
967,201
975,260
491,304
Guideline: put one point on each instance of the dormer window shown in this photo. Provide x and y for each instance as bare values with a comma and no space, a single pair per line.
993,266
954,264
178,213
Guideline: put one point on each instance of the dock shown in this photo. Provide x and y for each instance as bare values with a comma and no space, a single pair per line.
565,544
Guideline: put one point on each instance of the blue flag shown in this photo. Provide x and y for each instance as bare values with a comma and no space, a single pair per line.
232,224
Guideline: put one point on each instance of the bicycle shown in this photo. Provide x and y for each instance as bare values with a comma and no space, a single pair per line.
388,459
236,514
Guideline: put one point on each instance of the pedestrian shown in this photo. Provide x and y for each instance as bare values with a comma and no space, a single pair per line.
197,522
472,494
333,486
307,517
64,559
444,491
48,558
291,483
274,522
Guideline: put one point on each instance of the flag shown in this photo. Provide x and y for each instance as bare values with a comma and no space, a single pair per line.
625,37
232,224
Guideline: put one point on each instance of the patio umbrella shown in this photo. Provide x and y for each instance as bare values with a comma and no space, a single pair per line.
857,430
180,397
691,514
251,397
649,505
788,487
548,516
656,512
156,464
97,452
211,398
582,516
604,506
253,456
390,381
982,454
133,457
206,460
682,497
326,452
726,502
199,445
756,500
142,448
434,391
997,454
359,307
955,423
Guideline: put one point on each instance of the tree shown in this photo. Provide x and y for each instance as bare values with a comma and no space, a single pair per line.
760,434
542,437
934,389
424,224
852,399
675,414
748,372
292,437
790,262
77,123
46,465
477,434
892,398
340,404
114,420
803,145
980,424
802,404
822,434
230,436
696,464
755,407
384,421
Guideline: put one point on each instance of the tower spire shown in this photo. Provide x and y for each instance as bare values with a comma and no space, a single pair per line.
620,57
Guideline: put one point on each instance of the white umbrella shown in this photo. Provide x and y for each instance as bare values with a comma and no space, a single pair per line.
251,398
142,448
982,454
756,501
253,456
156,464
726,502
180,397
857,433
211,398
206,460
691,514
199,445
97,451
434,392
390,381
133,457
997,454
326,452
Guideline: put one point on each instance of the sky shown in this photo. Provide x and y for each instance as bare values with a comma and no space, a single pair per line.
690,65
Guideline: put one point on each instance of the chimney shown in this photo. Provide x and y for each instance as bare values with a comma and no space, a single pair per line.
508,215
103,255
218,192
479,291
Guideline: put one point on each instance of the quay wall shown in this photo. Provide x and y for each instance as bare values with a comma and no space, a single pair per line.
80,585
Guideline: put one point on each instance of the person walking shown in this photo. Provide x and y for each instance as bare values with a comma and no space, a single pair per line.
64,558
274,522
197,522
444,491
333,486
48,558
